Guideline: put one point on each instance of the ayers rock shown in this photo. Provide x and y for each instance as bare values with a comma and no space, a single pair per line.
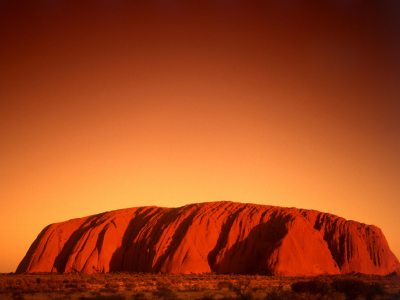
223,237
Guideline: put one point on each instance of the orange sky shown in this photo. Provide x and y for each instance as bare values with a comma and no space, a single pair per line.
110,104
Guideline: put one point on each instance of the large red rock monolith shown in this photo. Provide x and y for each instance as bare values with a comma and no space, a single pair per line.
223,237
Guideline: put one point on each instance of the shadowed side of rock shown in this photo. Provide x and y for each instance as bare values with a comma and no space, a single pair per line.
355,247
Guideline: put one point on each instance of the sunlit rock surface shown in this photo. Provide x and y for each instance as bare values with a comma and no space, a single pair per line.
222,237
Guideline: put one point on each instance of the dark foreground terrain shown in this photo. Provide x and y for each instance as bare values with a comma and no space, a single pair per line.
142,286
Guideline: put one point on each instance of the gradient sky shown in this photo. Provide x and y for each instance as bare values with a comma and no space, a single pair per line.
114,104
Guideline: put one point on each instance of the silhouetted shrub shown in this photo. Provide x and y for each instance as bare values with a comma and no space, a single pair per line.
163,284
112,286
92,280
165,294
242,288
194,287
130,286
373,290
176,280
352,288
95,293
22,285
100,280
41,287
278,293
54,284
223,285
72,285
313,287
2,285
139,296
17,296
206,297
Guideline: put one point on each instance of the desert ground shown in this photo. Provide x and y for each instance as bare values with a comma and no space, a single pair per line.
141,286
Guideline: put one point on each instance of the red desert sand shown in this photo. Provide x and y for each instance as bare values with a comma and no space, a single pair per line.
222,237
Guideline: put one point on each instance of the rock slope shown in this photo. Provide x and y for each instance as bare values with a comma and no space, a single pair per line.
222,237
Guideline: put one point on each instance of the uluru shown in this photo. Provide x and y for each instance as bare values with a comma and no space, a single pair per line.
221,237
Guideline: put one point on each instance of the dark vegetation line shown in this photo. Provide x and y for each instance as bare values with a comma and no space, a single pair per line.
147,286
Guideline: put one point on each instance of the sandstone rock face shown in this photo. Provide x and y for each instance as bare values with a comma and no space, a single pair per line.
222,237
